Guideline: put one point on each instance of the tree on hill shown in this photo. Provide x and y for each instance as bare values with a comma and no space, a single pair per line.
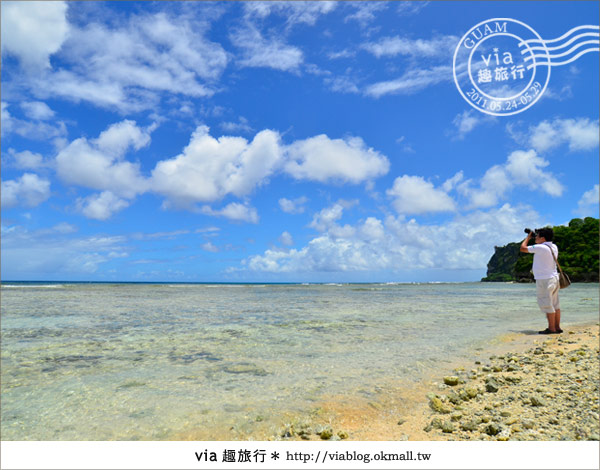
578,255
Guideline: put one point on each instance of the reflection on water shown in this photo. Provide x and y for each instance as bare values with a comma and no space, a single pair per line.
150,362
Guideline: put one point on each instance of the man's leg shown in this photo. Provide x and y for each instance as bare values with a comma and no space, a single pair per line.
557,320
551,321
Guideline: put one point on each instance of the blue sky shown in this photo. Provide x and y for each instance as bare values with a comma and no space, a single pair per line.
279,141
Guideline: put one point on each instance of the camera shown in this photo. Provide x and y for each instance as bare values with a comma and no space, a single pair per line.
532,232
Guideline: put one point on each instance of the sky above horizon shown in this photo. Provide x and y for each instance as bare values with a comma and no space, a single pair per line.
278,141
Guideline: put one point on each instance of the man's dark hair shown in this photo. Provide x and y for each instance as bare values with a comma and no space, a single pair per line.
546,233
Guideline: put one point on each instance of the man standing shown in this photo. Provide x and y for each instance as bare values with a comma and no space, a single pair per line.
546,276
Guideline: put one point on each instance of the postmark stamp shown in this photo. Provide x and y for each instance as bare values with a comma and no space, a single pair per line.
502,66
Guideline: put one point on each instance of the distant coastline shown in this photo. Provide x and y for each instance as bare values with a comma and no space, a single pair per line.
248,283
578,255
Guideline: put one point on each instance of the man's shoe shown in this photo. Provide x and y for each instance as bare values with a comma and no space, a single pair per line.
548,331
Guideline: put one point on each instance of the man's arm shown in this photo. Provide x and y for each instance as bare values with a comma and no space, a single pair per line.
524,243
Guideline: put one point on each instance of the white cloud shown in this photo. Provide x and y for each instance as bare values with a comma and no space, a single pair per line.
325,221
241,126
579,134
101,206
451,183
36,129
286,239
326,218
28,191
208,169
6,118
235,211
99,163
127,67
343,54
590,197
589,201
466,121
55,253
294,206
33,31
493,186
365,12
522,168
525,168
260,52
414,195
441,46
410,7
299,12
342,84
411,82
323,159
466,242
37,110
26,159
208,246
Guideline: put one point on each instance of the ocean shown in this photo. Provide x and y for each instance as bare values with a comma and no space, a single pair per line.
86,361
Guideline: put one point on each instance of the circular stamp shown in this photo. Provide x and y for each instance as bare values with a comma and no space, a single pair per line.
496,69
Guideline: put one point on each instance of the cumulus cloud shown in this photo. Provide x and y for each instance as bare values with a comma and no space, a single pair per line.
208,246
327,217
414,195
579,134
5,118
465,122
99,163
286,239
28,191
326,220
235,211
101,206
522,168
463,243
293,206
525,168
208,169
33,31
26,160
323,159
211,168
589,201
37,110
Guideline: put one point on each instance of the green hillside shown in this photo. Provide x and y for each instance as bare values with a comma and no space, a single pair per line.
578,255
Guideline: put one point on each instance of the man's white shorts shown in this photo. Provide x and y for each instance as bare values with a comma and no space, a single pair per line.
547,294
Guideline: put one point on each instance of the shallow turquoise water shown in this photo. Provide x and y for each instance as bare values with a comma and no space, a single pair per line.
144,361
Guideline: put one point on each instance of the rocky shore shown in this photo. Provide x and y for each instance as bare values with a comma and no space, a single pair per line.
536,388
550,392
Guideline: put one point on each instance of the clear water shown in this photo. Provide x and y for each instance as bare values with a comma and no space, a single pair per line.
161,362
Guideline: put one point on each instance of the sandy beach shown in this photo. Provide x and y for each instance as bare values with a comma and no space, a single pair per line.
526,387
